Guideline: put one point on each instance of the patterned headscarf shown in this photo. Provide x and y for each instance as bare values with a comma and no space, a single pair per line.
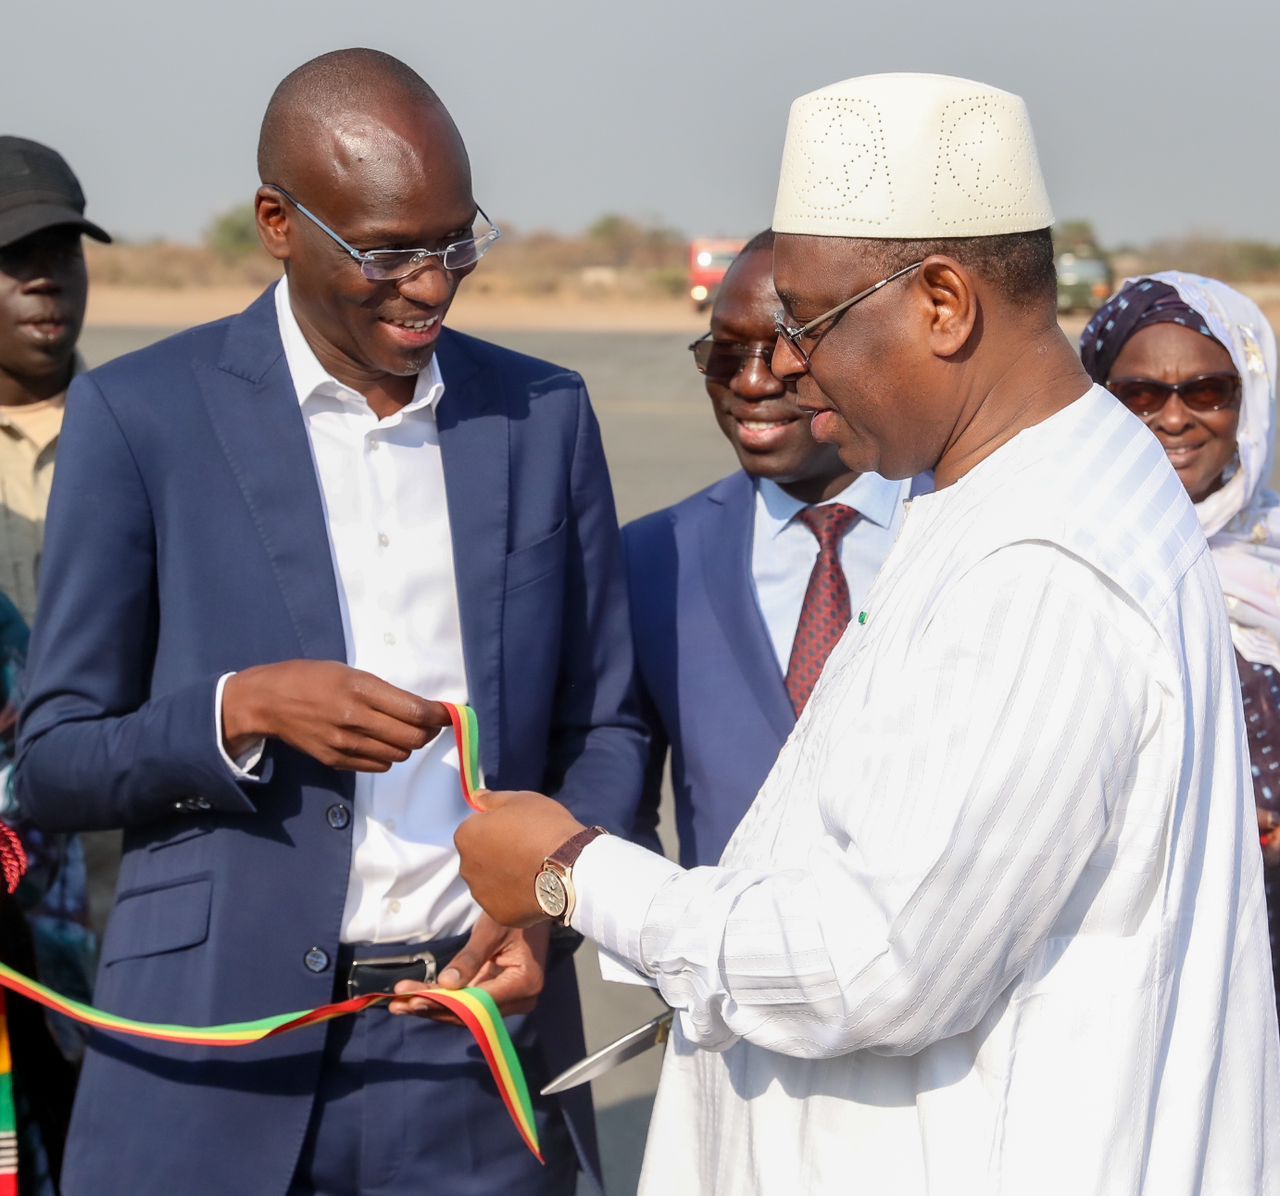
1140,303
1242,518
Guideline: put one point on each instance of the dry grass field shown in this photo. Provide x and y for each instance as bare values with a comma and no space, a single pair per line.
162,307
116,306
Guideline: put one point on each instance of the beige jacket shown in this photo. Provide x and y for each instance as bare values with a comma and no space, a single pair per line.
28,445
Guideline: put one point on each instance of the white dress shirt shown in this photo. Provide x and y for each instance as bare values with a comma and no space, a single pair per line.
382,486
994,924
783,550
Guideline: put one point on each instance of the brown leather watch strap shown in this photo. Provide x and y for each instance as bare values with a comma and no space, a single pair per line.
567,853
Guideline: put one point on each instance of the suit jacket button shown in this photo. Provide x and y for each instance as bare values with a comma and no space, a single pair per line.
338,815
316,960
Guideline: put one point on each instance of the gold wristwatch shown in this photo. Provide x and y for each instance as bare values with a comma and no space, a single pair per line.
553,886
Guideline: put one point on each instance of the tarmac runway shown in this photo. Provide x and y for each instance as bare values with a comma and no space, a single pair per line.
662,444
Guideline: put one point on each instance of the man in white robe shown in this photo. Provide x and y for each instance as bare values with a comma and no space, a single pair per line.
994,924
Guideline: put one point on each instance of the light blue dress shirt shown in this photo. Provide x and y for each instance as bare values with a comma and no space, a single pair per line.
783,551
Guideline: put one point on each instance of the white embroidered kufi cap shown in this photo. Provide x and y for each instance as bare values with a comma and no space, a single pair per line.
910,156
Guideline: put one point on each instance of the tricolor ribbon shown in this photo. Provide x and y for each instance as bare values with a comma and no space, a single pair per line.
473,1007
467,732
8,1111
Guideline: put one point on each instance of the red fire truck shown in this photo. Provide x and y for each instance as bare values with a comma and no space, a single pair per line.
709,258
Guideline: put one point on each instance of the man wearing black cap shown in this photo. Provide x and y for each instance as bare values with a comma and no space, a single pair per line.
43,286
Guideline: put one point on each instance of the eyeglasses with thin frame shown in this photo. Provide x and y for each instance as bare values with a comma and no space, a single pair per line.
391,265
722,361
793,335
1146,396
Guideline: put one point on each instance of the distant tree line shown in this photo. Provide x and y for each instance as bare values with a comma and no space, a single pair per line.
234,234
616,253
1234,261
1231,259
612,240
625,255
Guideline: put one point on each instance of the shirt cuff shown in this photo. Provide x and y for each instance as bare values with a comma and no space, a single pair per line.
615,883
243,766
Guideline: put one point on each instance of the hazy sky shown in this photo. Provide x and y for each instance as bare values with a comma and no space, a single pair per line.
1152,118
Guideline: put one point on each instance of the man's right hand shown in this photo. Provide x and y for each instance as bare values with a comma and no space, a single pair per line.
338,715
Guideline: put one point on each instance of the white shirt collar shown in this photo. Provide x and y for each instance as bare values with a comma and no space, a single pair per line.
873,497
311,378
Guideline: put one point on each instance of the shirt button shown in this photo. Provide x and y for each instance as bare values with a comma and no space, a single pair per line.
394,906
316,960
384,539
373,446
338,815
388,637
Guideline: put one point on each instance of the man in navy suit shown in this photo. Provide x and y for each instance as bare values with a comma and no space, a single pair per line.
719,582
275,544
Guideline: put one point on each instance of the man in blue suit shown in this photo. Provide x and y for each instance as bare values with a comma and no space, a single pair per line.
731,589
275,543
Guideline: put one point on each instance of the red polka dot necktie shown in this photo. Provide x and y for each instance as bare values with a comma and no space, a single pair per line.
825,613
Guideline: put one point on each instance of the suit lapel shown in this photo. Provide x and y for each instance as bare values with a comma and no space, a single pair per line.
726,561
256,419
474,447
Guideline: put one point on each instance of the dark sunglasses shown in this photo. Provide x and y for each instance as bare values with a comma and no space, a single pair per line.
722,360
1145,396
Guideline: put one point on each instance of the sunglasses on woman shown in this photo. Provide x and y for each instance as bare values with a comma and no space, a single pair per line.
1146,396
722,360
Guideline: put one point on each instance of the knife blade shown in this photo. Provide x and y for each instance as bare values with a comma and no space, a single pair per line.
632,1043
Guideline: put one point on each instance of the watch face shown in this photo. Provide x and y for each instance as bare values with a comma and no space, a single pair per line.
551,895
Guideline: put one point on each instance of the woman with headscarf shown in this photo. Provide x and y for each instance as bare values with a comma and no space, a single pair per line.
1196,361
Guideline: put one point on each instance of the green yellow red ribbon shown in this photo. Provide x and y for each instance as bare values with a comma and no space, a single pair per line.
8,1112
467,732
474,1007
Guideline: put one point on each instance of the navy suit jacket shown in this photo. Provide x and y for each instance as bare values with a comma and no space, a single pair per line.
186,538
714,693
709,679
